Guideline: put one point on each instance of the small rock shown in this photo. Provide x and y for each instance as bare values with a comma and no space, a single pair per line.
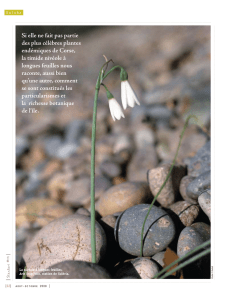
71,269
156,178
28,212
122,142
110,169
185,181
66,150
74,131
201,162
159,257
191,237
20,176
143,160
78,192
144,136
187,212
141,268
122,196
159,230
22,145
49,213
83,211
57,185
204,201
52,144
67,238
199,185
101,185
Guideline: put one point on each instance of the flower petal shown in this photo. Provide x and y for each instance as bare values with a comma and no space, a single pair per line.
123,94
132,94
115,109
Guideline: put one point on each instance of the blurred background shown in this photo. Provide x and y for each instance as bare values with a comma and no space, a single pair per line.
169,70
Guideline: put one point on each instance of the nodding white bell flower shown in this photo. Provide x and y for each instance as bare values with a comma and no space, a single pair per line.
128,96
115,109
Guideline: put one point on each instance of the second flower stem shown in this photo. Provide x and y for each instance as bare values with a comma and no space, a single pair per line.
93,240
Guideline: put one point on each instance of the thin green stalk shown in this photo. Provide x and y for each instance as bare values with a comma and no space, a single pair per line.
165,181
112,69
97,88
93,240
207,243
191,260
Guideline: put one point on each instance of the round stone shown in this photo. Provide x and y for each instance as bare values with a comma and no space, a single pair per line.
159,258
186,212
185,181
71,269
142,160
50,213
67,238
159,230
200,163
199,185
191,237
78,192
156,178
139,268
83,211
204,201
28,213
110,169
122,196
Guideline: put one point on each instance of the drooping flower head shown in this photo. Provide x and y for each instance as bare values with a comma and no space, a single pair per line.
115,108
128,96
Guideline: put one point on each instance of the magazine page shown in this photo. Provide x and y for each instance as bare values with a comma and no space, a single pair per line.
112,151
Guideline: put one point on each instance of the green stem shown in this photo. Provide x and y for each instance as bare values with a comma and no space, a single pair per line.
113,68
165,181
97,88
191,260
93,240
207,243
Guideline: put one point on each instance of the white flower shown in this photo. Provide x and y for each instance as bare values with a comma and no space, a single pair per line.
127,95
115,109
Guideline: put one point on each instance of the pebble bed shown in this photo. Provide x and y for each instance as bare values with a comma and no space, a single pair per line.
169,69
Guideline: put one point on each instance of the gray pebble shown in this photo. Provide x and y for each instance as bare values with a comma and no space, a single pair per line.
156,178
110,169
22,145
159,230
159,257
200,163
199,185
140,268
204,201
143,160
78,192
144,136
191,237
66,150
185,181
52,144
20,176
74,131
